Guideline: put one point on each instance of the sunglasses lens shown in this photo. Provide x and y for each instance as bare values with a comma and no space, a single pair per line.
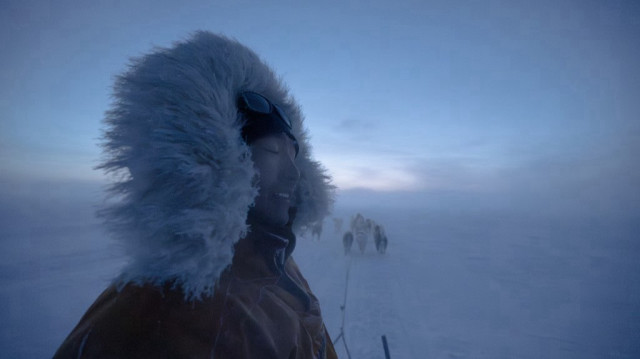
284,117
256,103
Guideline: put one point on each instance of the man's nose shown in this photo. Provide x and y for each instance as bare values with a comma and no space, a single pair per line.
292,173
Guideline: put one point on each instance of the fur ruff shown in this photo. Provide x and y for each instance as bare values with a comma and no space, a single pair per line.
184,179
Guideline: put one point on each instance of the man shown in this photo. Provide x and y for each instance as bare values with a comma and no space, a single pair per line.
214,175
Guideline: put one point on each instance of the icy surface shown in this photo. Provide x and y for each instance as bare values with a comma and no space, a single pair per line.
482,286
451,285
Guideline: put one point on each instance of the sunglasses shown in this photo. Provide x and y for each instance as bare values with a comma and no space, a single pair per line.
271,118
253,102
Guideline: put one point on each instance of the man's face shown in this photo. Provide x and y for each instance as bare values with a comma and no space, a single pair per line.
273,157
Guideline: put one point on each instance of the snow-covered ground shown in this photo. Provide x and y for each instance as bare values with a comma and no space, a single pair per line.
482,286
453,284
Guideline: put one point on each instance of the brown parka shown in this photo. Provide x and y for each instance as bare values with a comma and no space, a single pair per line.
262,307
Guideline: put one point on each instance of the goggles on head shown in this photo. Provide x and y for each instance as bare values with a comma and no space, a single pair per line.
263,118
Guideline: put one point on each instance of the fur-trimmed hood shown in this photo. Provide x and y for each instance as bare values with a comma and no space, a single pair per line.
184,179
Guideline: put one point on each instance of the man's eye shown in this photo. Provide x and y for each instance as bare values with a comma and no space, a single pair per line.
271,149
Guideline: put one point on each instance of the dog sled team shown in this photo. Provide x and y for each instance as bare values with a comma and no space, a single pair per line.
360,230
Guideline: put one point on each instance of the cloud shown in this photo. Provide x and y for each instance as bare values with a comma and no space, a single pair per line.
602,180
374,178
354,130
352,124
598,181
19,160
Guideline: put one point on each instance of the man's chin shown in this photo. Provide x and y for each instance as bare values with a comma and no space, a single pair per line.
269,219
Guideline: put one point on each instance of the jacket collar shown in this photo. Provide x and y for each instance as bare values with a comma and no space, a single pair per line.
274,244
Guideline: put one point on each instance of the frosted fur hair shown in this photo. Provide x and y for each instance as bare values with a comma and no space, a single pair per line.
184,179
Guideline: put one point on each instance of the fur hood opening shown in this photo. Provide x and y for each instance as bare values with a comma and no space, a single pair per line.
183,176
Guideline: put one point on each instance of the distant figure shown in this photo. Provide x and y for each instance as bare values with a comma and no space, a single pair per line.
316,230
380,238
370,224
359,227
337,225
347,242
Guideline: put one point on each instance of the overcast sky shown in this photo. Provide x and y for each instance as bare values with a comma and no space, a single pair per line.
531,100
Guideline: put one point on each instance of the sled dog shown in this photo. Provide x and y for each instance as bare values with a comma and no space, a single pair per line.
360,228
316,230
347,241
380,238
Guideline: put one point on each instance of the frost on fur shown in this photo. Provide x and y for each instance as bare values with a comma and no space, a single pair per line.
186,177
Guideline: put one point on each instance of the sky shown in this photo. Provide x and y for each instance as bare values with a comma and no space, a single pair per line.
500,103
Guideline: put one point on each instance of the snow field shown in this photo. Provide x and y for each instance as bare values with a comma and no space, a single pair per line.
481,286
451,285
